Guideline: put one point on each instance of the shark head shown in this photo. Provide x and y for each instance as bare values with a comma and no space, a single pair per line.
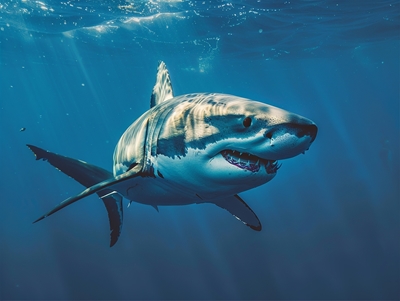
230,140
252,136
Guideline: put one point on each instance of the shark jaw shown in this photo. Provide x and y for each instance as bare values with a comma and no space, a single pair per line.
258,155
250,162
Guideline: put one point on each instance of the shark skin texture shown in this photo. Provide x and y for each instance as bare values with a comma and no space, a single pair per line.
190,149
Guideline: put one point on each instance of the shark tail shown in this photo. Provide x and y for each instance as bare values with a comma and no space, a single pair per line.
88,175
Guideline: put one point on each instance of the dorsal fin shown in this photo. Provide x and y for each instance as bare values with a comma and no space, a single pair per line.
162,90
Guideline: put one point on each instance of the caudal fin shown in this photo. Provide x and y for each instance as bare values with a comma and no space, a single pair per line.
88,175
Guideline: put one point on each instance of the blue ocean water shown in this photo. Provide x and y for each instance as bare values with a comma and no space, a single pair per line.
76,74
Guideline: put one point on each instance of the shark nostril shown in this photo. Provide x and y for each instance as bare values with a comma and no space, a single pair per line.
268,135
307,130
299,130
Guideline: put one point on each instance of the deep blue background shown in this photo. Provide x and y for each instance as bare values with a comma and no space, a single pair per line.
330,218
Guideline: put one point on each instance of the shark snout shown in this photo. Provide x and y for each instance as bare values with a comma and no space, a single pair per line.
290,139
307,130
299,130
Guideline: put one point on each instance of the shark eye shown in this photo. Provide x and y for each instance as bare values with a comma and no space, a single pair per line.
247,122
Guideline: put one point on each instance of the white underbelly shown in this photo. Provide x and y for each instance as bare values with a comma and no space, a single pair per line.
190,179
156,192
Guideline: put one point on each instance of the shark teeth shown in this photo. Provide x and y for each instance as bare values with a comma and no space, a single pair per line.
250,162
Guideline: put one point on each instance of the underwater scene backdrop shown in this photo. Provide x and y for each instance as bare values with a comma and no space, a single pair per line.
75,74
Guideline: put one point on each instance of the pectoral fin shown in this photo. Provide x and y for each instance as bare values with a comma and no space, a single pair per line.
239,209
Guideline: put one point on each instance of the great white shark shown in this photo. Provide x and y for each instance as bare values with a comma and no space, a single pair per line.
190,149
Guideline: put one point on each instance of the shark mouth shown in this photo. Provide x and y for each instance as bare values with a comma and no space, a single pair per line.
250,162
